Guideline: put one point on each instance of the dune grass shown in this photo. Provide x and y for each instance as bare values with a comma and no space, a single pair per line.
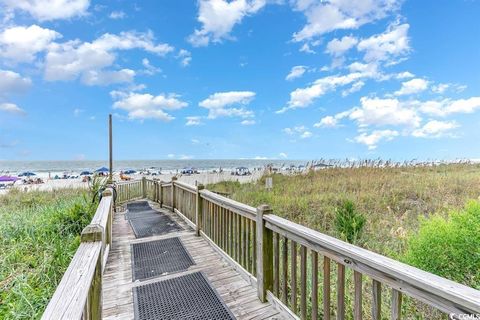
39,234
391,199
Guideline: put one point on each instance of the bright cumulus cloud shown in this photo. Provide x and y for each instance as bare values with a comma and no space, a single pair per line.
51,10
21,44
218,17
296,72
412,86
11,108
147,106
228,104
371,140
88,60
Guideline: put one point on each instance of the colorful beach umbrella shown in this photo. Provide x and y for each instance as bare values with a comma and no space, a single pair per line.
8,179
27,174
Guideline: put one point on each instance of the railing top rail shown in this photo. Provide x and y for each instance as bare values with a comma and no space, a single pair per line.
120,183
185,186
235,206
71,294
381,267
102,212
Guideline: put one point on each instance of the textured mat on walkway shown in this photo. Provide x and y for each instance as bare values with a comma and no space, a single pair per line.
186,297
160,257
153,226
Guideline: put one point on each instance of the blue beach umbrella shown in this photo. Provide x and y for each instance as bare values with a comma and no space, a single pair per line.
102,169
85,173
27,174
130,171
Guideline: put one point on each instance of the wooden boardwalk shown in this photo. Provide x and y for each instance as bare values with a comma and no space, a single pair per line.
238,294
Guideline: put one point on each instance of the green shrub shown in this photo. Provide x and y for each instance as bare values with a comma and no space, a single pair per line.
348,222
449,247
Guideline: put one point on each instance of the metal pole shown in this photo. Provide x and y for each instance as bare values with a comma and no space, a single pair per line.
110,147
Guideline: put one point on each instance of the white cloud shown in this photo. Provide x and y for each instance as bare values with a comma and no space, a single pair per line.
12,82
440,88
44,10
296,72
435,129
185,56
171,155
404,75
392,43
303,97
371,140
382,112
283,155
219,104
69,60
21,44
338,47
356,86
327,122
193,121
325,16
300,131
116,15
149,68
11,108
412,86
218,17
186,157
145,106
248,122
448,106
104,78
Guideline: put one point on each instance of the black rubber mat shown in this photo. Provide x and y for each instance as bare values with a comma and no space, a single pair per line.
155,258
187,297
138,206
153,226
148,213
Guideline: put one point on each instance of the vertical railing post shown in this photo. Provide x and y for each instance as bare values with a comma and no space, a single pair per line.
173,193
199,210
160,193
264,254
108,193
144,187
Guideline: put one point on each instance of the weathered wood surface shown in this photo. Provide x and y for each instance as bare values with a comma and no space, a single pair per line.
238,294
70,298
441,293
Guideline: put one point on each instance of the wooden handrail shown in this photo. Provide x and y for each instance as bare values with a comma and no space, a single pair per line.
79,294
235,206
446,295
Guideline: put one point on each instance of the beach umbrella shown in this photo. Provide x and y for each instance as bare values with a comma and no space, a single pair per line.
85,173
102,169
8,179
130,171
27,174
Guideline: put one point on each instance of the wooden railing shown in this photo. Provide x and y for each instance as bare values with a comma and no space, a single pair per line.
79,294
307,272
129,190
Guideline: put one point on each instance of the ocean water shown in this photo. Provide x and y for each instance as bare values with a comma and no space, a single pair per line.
14,167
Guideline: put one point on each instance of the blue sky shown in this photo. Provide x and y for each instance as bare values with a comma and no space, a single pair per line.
292,79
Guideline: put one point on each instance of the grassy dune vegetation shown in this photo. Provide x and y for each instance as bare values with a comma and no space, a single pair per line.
39,234
428,217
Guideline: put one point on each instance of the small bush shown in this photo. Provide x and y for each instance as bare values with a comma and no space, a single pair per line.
449,247
348,222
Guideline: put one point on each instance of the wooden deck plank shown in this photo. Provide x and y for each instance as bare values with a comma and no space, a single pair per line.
239,296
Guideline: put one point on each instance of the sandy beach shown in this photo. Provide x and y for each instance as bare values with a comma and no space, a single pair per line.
200,178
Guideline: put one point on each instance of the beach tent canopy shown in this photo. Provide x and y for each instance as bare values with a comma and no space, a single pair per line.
8,179
102,169
85,173
130,171
27,174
